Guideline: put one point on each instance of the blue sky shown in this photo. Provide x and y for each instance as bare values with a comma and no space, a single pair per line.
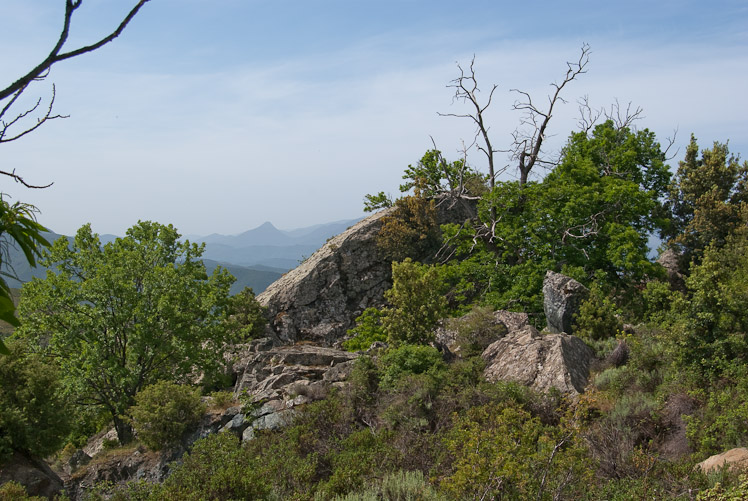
219,115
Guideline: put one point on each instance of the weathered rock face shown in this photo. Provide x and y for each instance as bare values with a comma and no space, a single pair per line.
735,460
33,474
539,361
670,260
280,378
320,299
562,297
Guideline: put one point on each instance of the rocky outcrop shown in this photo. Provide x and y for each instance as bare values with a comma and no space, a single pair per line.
671,261
734,459
32,473
320,299
539,361
277,379
562,297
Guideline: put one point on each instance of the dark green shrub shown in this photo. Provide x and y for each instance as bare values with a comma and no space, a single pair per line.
476,330
163,411
34,415
597,317
217,467
410,359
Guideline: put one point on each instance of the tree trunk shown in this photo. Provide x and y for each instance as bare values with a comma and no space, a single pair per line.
124,430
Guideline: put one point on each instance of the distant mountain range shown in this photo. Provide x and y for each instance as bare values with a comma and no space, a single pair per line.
266,245
257,257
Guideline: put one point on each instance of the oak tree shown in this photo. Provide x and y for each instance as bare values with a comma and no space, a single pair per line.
123,315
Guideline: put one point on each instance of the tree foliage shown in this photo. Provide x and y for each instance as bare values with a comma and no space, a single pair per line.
416,302
126,314
590,216
34,415
708,197
18,227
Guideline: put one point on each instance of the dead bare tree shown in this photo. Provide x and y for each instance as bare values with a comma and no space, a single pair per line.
466,90
19,124
528,139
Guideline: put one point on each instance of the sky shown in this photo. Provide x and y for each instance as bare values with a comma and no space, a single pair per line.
218,115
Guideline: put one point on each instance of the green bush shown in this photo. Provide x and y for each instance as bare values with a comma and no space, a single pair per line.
719,493
222,400
408,360
476,330
417,303
163,411
368,329
398,486
245,317
720,424
410,230
597,317
217,467
13,491
34,415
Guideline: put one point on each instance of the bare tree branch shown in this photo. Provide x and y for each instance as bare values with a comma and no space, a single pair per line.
466,90
6,126
55,55
526,148
13,92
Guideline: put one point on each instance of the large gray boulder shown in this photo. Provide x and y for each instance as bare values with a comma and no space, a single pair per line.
562,297
320,299
539,361
32,473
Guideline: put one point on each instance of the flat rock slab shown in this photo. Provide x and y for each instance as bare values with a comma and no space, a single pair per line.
539,361
734,459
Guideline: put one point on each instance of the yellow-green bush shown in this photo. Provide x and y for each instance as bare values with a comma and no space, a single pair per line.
163,411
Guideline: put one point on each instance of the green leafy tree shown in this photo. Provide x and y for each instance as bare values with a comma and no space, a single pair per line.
126,314
591,216
417,303
434,175
34,415
708,197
